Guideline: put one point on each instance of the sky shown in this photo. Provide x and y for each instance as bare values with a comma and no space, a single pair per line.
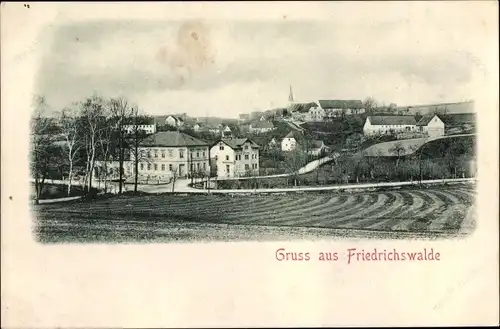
223,68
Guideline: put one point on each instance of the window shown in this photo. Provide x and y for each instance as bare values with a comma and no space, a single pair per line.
163,167
163,154
247,167
227,157
192,167
170,167
198,166
246,147
246,156
142,166
227,169
156,154
216,157
203,153
156,166
149,166
254,165
204,166
221,147
149,154
170,153
181,154
197,154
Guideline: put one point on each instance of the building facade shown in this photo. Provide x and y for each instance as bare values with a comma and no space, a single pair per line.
235,157
170,153
289,142
147,128
386,125
260,127
431,125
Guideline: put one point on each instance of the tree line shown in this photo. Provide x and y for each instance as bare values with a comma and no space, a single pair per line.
76,137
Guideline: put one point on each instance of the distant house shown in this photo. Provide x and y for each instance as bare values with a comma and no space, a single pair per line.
301,111
273,143
174,121
335,108
385,125
226,132
262,118
197,127
431,125
289,142
317,147
217,129
261,127
147,126
235,157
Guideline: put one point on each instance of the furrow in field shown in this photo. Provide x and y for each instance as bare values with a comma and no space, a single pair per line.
335,216
343,217
357,220
344,202
450,219
280,214
379,219
378,223
422,220
404,220
447,197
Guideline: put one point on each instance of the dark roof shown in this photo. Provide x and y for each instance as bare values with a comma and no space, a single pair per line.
237,143
301,107
458,118
293,134
341,104
172,138
392,120
317,144
262,124
424,121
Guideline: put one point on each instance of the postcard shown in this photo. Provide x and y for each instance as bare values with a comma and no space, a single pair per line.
249,164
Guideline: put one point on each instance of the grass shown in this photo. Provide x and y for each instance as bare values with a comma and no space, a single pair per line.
171,218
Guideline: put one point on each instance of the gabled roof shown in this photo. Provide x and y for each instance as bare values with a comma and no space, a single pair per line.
301,107
172,138
424,121
340,104
262,125
392,120
458,118
237,143
293,134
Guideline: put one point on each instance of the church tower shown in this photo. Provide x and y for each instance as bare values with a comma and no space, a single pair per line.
290,96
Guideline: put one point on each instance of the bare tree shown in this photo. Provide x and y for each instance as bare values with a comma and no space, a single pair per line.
42,136
398,149
369,104
105,138
121,112
295,160
72,132
92,109
136,138
175,176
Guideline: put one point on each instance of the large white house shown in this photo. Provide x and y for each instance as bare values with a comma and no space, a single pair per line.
385,125
335,108
289,142
431,125
235,157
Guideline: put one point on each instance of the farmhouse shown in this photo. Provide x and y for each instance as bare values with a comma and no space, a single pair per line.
334,108
169,153
384,125
431,125
289,142
261,127
235,157
173,121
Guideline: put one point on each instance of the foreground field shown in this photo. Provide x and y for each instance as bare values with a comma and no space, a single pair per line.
403,213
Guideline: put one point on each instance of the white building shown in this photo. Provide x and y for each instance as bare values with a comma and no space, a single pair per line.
147,128
226,132
335,108
260,127
174,121
289,142
431,125
385,125
235,157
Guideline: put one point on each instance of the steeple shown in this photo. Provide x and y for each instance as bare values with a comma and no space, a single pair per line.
290,95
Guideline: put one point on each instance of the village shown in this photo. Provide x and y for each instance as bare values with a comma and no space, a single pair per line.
212,153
